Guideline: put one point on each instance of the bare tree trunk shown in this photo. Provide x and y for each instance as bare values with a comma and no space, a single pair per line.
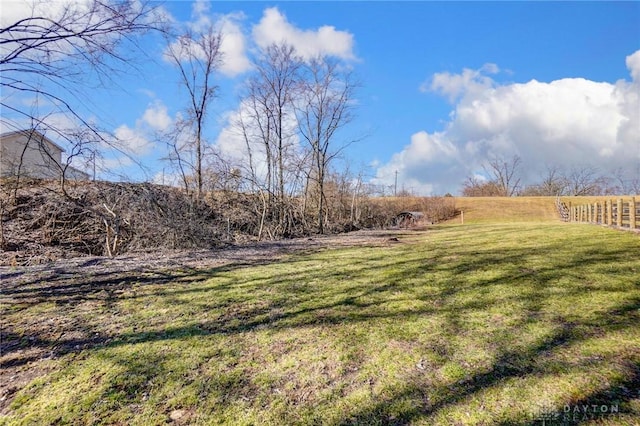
327,94
196,56
2,208
271,95
321,199
198,165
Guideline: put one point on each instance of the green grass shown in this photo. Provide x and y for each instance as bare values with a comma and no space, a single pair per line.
478,324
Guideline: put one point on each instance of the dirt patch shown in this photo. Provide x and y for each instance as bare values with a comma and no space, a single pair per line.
91,282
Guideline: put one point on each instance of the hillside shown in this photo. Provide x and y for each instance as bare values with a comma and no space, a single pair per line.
517,209
506,209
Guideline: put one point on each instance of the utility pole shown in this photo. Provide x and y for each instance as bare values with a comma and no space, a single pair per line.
93,157
395,186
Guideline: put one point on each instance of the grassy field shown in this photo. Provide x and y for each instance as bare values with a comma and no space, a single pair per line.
507,324
507,209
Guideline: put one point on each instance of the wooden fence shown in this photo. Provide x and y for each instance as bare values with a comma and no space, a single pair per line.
623,213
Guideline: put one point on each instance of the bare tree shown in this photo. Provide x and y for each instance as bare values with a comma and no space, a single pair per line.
256,124
626,182
554,183
272,92
47,54
197,57
584,180
54,53
504,173
474,187
326,106
253,126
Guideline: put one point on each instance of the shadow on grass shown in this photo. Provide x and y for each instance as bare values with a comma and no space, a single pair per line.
291,300
66,291
606,405
522,363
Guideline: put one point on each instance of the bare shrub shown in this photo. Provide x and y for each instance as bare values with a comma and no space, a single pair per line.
103,218
381,212
39,223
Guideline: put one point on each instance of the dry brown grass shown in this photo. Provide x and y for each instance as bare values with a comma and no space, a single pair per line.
506,209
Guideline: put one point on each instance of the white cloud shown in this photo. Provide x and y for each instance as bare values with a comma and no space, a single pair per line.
326,40
72,17
133,140
426,160
633,64
272,28
136,140
455,85
67,11
232,145
628,96
233,47
201,8
15,10
230,141
565,122
157,117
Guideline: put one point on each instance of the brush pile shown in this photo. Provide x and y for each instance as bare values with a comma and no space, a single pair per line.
40,223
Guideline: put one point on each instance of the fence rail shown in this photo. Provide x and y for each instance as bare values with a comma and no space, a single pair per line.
620,212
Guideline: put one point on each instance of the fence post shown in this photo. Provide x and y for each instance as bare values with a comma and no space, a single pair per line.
599,213
570,212
609,212
632,213
619,215
602,213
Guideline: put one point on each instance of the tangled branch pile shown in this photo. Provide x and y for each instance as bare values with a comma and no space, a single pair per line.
40,223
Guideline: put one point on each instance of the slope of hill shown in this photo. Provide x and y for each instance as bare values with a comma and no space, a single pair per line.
506,209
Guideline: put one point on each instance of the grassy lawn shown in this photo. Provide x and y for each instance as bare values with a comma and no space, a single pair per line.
507,209
477,324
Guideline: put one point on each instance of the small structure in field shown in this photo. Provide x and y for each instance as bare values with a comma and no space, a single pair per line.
409,219
31,154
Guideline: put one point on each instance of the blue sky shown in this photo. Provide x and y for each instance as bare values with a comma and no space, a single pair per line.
445,85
